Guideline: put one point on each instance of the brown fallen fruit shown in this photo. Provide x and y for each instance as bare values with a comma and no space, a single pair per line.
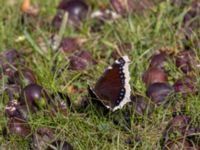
80,60
23,77
179,124
35,96
14,109
158,60
42,138
77,10
190,20
154,75
183,144
186,60
11,109
158,92
12,57
19,127
70,45
186,85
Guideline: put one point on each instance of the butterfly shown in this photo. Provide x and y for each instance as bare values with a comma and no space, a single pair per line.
112,89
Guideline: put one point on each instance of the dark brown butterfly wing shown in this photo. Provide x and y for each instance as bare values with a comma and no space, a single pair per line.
110,87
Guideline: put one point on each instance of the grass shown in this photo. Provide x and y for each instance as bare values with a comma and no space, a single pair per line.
147,33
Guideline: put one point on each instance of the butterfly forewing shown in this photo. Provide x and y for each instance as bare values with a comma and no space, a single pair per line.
108,87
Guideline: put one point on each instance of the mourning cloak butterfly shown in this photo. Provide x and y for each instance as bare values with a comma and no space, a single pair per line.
113,88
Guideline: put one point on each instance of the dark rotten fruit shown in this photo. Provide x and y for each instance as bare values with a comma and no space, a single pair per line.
61,145
76,63
77,10
186,60
80,60
9,61
158,60
42,138
8,70
11,109
190,20
69,45
186,85
85,55
179,124
180,121
57,20
14,109
179,144
158,92
35,96
154,75
23,77
12,57
19,127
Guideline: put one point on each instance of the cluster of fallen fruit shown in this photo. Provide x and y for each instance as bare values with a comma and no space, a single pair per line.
155,78
26,96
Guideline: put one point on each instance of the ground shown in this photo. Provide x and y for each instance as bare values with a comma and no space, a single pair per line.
148,31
